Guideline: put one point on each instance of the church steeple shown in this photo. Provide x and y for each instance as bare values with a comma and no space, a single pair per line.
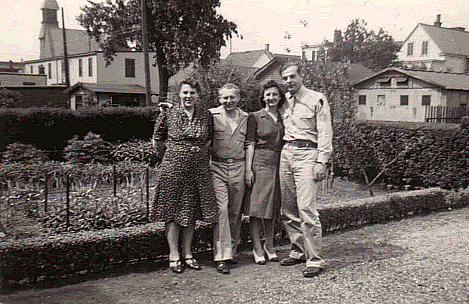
49,12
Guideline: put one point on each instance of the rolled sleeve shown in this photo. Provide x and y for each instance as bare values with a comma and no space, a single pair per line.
324,127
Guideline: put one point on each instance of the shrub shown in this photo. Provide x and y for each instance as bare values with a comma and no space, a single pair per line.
136,151
91,149
427,155
51,128
24,153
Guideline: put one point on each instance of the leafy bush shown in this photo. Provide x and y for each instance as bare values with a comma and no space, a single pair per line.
8,99
51,128
24,153
422,154
91,149
90,210
136,151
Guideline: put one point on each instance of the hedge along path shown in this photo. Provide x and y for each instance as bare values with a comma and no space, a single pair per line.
72,254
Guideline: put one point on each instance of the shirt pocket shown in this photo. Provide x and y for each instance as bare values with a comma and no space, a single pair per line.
218,134
306,121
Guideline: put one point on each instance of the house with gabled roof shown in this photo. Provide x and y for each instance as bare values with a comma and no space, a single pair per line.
394,94
436,48
86,60
251,59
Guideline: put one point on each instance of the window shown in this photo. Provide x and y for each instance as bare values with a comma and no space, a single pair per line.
129,67
313,55
32,69
78,101
381,100
425,48
362,100
42,70
410,49
385,82
402,81
26,83
426,100
404,100
90,67
49,68
80,67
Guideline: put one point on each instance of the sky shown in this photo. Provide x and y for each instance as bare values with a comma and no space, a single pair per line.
260,22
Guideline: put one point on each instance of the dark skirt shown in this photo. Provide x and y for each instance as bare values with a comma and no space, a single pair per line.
264,199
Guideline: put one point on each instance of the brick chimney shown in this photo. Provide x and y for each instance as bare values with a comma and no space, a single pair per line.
438,20
267,47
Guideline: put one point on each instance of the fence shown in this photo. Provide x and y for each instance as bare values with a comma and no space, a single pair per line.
442,114
71,198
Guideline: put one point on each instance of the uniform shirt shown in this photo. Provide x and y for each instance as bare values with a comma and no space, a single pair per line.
227,143
306,116
264,132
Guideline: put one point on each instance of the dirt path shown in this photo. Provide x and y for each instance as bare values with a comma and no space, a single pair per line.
417,260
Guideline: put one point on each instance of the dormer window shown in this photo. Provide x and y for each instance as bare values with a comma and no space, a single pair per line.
410,49
384,82
402,81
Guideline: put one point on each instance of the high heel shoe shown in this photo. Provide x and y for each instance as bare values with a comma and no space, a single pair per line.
259,259
176,266
271,256
192,263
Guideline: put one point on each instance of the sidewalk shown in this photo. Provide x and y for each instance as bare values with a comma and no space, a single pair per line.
416,260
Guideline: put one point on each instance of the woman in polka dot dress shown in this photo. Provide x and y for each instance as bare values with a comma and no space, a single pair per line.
184,190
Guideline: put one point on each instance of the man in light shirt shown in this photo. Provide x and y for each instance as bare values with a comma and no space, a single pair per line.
308,146
228,168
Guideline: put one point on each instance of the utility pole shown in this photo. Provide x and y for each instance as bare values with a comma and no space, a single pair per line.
145,53
67,73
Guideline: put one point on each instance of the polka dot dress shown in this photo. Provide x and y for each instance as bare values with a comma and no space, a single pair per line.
184,189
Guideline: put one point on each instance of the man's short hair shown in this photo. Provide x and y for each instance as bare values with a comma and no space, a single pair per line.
289,65
229,86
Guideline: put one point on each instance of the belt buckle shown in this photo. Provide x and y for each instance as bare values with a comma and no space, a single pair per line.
195,149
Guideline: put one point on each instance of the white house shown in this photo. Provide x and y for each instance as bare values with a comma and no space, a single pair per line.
86,60
394,94
436,48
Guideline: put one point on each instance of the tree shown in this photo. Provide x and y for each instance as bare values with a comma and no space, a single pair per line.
360,45
179,31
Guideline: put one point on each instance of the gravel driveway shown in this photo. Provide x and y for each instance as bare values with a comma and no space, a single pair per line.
423,259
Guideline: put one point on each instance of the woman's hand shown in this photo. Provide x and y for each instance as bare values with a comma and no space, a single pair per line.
249,177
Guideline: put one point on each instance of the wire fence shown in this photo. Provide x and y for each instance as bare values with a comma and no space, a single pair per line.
77,198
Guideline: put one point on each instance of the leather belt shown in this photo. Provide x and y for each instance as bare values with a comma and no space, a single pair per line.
226,160
301,143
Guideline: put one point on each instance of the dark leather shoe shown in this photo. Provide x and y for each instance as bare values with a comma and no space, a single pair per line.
192,263
290,261
311,271
233,261
223,268
176,266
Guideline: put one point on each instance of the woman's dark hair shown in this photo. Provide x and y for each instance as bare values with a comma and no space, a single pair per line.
268,85
194,84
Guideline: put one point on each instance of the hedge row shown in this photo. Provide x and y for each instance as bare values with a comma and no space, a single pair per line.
69,254
421,155
50,128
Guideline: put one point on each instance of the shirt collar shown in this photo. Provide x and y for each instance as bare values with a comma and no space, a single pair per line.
300,93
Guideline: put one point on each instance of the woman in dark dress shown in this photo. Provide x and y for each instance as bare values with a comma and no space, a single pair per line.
184,190
265,132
